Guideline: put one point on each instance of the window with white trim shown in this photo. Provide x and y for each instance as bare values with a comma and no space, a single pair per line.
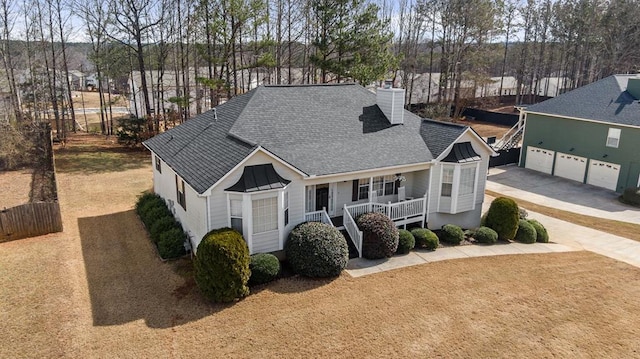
447,181
613,137
180,193
363,188
158,164
458,187
265,214
236,214
467,180
389,185
378,186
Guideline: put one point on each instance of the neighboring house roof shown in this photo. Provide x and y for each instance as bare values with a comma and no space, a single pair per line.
259,178
440,135
606,100
317,129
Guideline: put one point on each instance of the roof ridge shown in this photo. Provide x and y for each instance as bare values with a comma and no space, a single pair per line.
310,85
244,107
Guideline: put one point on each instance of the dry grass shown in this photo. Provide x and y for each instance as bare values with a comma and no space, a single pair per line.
97,290
486,129
92,100
618,228
15,186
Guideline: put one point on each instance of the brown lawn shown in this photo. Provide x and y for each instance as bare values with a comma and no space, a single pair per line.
98,290
486,129
14,187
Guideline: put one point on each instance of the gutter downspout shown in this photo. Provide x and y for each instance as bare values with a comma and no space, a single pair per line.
428,207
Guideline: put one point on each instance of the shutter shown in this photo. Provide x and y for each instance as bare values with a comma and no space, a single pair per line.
395,190
354,193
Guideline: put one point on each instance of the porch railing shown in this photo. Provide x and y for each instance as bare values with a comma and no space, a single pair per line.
352,228
318,216
396,211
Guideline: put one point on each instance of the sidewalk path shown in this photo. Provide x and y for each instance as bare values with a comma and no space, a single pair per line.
360,267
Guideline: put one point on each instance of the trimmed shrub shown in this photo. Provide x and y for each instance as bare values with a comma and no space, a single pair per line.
542,235
221,267
264,268
485,235
154,213
160,226
146,202
526,233
631,196
451,233
503,217
425,238
171,243
406,241
380,235
317,250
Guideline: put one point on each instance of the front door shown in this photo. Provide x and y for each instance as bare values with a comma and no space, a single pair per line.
322,197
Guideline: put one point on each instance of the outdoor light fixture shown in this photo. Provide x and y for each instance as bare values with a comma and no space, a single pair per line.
605,155
540,142
571,150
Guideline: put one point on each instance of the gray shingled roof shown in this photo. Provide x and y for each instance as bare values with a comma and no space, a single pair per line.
201,150
327,129
605,100
318,129
440,135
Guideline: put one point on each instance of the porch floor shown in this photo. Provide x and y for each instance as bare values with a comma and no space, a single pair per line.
337,221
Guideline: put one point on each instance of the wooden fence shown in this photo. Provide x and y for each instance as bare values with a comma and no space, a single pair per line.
29,220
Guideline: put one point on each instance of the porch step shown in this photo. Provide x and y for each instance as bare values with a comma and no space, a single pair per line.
353,252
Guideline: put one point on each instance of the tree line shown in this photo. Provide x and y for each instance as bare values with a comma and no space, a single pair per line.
216,49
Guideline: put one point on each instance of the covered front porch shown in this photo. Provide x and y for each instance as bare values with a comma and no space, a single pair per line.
402,197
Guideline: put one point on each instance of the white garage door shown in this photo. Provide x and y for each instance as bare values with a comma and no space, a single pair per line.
603,174
539,159
570,166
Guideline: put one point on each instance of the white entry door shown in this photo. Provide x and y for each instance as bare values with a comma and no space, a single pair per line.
570,166
539,159
603,174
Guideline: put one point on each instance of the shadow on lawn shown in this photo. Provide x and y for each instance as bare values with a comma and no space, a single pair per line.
128,282
99,159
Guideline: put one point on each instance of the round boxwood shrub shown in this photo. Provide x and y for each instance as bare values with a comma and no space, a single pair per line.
503,217
485,235
264,268
526,233
171,243
379,235
425,238
406,241
317,250
451,233
221,267
542,235
160,226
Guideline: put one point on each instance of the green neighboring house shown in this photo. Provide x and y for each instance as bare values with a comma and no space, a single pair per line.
590,135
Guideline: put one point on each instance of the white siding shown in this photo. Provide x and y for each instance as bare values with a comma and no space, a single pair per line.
193,220
437,205
265,242
417,183
218,211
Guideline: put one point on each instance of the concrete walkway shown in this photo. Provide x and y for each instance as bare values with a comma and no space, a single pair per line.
360,267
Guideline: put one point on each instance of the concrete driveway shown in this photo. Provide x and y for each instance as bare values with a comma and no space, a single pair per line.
557,192
532,186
